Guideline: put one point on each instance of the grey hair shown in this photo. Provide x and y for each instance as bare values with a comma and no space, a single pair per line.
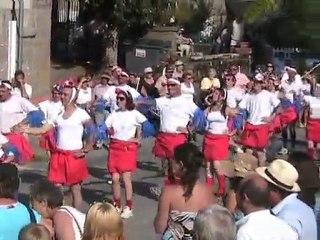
214,223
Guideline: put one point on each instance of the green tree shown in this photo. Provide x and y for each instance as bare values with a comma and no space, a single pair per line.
259,9
123,19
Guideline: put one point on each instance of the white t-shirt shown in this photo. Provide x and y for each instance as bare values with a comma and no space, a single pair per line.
84,96
174,112
99,90
262,225
70,130
237,32
111,97
217,123
259,106
28,88
314,104
125,123
187,92
234,96
13,111
3,140
291,88
51,109
78,219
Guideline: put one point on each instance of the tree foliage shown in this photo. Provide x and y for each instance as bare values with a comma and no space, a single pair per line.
259,9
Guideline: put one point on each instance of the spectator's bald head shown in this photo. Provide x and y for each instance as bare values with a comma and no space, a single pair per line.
253,192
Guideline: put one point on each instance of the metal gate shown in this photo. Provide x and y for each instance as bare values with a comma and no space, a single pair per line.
65,20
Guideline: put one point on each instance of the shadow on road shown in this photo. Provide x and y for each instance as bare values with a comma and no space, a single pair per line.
143,189
148,166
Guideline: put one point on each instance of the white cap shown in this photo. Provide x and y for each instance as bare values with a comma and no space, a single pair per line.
178,63
290,69
148,70
174,81
124,74
259,77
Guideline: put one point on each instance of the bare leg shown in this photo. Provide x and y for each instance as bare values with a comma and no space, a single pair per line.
116,189
262,158
128,187
76,196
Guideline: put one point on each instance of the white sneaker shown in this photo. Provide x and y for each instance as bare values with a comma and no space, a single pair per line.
239,150
126,213
283,151
119,210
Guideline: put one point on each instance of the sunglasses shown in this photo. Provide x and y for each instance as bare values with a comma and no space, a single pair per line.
121,99
171,85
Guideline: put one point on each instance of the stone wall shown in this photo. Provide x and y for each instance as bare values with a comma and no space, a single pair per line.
36,42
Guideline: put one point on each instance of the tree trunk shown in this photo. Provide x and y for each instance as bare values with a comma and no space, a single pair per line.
111,57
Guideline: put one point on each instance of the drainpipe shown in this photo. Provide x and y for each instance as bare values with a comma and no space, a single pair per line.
20,33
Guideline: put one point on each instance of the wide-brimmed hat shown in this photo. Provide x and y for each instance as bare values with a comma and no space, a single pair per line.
244,164
282,174
148,70
258,78
178,63
227,168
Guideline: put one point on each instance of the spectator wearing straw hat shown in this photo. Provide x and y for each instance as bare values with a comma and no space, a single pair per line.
243,165
252,199
282,178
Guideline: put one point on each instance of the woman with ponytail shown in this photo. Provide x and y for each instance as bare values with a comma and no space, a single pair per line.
217,136
179,204
67,162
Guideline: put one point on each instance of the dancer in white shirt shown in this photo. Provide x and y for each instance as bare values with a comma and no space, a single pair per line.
124,126
51,109
13,111
111,96
217,136
67,164
291,87
8,152
175,115
260,106
313,125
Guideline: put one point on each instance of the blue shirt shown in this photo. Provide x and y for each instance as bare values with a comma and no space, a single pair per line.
298,215
12,219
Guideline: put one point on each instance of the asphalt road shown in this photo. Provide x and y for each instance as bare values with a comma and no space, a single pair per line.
140,226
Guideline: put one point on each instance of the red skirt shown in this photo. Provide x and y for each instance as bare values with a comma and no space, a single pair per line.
66,169
48,141
275,126
216,147
24,148
166,143
313,130
288,116
255,136
123,156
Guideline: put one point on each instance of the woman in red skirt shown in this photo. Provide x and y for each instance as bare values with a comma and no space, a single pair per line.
217,136
51,109
125,133
313,126
68,165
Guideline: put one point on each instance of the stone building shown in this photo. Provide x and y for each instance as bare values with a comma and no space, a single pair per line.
36,41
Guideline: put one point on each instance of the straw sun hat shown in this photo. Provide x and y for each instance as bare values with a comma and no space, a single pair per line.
282,174
241,165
